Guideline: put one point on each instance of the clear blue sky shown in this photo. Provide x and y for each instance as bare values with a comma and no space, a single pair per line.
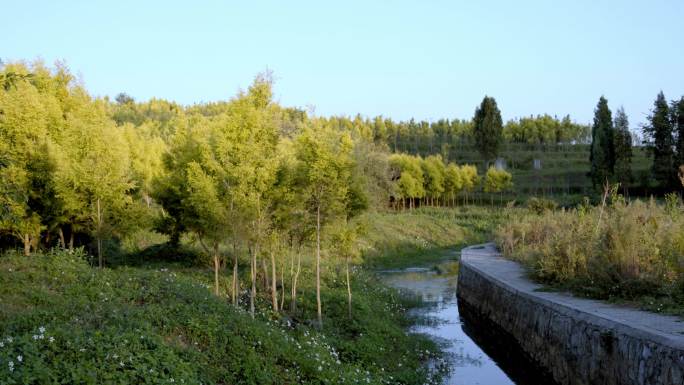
402,59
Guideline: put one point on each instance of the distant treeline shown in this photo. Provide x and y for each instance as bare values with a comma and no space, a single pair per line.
422,137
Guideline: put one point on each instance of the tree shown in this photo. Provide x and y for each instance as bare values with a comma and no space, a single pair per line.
324,172
408,177
97,184
623,149
453,182
433,170
245,148
602,154
24,119
488,128
470,179
677,110
208,215
497,181
659,139
344,243
289,214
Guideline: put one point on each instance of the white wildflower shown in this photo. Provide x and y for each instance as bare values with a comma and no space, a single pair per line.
20,358
41,329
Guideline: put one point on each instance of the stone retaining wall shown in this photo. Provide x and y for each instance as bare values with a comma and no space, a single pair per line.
578,341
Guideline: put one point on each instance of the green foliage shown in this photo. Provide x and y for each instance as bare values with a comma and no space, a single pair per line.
433,170
497,180
677,111
602,145
623,149
63,321
658,135
544,129
488,128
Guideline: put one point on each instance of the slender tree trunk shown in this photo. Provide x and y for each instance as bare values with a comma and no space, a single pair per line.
255,252
71,239
267,278
274,286
252,295
282,283
319,311
236,289
26,238
349,293
293,303
99,235
62,243
217,267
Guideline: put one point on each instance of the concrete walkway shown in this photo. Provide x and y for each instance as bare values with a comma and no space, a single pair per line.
661,329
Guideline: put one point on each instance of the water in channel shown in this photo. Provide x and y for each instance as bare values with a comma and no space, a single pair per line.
476,355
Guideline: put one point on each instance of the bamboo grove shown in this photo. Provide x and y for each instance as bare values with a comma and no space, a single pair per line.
244,178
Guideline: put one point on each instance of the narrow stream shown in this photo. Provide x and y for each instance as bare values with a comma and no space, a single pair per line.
484,362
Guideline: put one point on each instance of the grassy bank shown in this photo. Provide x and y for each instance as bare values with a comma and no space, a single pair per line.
158,322
63,321
426,235
623,252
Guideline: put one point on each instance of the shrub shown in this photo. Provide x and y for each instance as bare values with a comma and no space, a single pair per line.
623,251
541,205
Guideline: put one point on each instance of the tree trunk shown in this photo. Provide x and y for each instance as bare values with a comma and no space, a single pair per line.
236,288
252,295
71,239
282,284
267,279
349,293
293,300
62,243
99,235
26,238
319,311
274,278
217,267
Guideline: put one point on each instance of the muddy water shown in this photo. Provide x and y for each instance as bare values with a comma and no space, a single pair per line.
469,363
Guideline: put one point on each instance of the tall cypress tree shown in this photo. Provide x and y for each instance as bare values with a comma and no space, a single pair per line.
678,121
602,154
659,139
488,128
623,149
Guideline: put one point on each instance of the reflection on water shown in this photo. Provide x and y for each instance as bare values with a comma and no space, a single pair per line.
469,363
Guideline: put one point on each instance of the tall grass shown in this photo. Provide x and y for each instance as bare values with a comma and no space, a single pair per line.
617,250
